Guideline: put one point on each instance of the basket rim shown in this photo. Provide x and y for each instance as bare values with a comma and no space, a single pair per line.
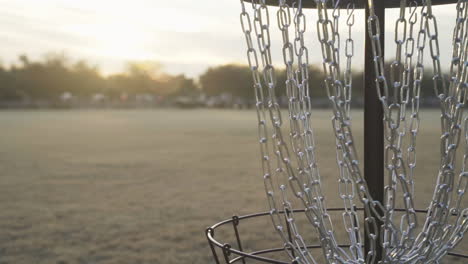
228,250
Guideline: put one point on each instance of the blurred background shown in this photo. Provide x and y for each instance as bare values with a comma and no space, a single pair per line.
128,127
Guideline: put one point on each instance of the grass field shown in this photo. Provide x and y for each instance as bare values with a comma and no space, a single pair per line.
142,186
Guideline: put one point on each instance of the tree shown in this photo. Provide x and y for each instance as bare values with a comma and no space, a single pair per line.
237,80
184,86
233,79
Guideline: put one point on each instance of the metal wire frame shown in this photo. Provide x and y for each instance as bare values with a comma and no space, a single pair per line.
238,255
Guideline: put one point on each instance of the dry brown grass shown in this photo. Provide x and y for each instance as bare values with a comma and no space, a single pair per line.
141,186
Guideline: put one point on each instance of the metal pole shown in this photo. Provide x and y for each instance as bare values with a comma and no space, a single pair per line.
373,124
210,231
235,224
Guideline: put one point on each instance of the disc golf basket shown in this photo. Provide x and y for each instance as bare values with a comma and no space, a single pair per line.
377,230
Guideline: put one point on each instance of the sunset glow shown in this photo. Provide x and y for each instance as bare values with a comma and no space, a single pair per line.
185,36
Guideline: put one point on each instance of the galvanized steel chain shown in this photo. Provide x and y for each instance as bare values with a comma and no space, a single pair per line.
300,81
272,197
303,179
413,93
262,123
459,58
394,245
452,101
341,125
345,181
300,189
297,89
316,212
349,53
436,231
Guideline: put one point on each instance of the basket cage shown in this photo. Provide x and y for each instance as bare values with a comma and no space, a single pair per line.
243,246
236,240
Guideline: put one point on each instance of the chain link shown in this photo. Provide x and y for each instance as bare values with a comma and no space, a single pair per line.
437,232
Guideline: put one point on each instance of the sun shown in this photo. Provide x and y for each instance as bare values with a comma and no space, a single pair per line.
129,32
116,39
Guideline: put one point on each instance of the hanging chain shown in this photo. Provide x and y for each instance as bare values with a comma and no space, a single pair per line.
262,125
415,90
436,228
341,125
302,180
312,201
302,82
302,143
346,184
458,59
349,53
393,245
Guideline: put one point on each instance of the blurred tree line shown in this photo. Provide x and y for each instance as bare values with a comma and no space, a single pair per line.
237,80
48,79
234,79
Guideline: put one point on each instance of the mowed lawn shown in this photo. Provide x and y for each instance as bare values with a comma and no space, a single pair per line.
141,186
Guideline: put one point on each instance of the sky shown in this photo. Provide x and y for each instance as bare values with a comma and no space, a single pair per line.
185,36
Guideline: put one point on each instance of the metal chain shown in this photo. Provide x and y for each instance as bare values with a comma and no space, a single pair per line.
262,126
299,244
346,184
301,80
415,90
459,58
399,244
436,228
452,105
393,137
300,112
411,93
309,199
393,245
341,125
457,88
302,143
349,53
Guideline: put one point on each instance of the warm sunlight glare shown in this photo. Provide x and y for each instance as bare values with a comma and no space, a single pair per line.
117,40
130,32
185,36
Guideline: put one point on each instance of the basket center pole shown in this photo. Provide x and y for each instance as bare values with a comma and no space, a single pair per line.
373,124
